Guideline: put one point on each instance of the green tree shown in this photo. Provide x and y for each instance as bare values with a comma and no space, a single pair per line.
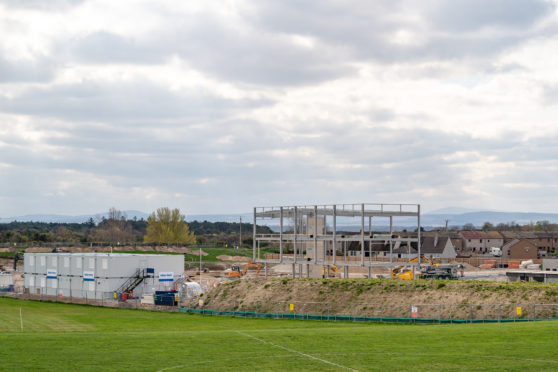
168,226
487,226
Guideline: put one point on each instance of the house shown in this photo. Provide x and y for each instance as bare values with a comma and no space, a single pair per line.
480,242
431,246
457,241
494,239
520,249
547,243
474,241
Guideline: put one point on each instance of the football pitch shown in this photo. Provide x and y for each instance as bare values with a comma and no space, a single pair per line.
62,337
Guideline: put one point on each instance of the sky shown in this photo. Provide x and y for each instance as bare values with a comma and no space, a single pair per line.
221,106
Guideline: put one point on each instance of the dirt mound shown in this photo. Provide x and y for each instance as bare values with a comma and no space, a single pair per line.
225,257
391,297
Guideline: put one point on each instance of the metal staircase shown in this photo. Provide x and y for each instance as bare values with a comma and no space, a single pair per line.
135,280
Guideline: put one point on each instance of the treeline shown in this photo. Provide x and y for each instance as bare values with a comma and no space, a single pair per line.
541,226
118,231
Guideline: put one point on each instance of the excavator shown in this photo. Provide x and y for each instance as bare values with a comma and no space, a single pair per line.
235,271
430,271
406,272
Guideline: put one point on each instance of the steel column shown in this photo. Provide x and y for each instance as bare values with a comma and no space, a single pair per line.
315,234
254,238
281,237
362,235
334,234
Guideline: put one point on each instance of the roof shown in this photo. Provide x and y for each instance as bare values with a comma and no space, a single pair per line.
515,241
473,235
493,235
427,244
509,234
549,234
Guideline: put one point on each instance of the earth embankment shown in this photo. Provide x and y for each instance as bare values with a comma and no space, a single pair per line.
387,297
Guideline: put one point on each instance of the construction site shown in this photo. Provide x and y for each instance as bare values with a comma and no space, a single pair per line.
314,262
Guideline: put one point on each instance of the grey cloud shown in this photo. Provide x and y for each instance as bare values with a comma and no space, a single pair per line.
472,15
217,49
549,94
344,33
365,28
106,47
50,5
40,70
122,102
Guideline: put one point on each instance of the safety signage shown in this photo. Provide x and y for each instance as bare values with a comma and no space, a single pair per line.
291,307
166,276
51,274
88,276
518,310
414,311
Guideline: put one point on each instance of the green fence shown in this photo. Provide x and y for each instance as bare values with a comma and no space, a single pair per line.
252,314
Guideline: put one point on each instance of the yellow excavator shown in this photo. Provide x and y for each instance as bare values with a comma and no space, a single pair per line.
406,272
331,271
237,273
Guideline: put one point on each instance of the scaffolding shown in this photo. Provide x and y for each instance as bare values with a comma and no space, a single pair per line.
311,235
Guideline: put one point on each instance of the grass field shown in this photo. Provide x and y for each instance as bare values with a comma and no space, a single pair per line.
61,337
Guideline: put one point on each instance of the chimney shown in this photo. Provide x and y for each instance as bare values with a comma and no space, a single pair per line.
435,240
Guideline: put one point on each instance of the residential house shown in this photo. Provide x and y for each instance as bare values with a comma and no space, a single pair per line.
520,249
431,246
547,243
474,241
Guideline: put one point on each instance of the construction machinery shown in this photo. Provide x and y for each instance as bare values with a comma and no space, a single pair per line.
402,272
331,271
430,271
446,271
235,271
406,272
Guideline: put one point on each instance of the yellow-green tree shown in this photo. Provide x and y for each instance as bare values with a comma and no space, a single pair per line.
168,226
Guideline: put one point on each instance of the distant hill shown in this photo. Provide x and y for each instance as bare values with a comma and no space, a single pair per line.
456,217
60,218
130,214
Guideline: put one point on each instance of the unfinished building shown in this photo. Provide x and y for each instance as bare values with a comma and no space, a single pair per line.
314,238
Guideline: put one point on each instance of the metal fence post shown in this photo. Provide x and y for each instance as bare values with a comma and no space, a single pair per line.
439,314
354,312
471,312
500,313
534,311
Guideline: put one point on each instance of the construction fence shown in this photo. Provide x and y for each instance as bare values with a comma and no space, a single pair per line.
161,302
331,311
390,312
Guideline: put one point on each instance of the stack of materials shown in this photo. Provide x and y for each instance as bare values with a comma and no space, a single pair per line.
489,264
513,264
529,265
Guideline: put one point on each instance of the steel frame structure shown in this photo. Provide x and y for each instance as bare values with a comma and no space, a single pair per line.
333,240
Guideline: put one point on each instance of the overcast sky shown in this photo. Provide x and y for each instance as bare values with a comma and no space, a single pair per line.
220,106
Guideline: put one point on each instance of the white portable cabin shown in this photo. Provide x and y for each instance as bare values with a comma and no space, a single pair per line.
98,275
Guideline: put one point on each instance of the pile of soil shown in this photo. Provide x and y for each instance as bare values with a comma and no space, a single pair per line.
225,257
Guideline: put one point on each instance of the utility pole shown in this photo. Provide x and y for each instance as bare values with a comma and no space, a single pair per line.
240,239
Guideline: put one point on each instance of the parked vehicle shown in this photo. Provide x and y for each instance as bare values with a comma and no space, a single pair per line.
496,252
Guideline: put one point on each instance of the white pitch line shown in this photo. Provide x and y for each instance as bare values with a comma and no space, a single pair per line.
297,352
